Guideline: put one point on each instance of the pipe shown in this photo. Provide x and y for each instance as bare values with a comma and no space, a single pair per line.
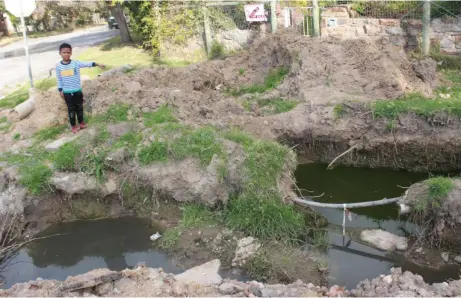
27,107
347,205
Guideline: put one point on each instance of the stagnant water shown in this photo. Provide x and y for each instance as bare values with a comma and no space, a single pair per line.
80,246
350,261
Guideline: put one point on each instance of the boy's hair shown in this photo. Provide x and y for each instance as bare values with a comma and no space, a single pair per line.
65,46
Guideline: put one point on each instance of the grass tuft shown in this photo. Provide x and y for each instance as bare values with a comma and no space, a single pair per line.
35,177
196,215
271,81
162,115
115,113
200,143
65,157
49,133
438,189
156,151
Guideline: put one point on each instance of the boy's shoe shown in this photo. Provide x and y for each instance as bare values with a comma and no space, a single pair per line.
75,129
83,125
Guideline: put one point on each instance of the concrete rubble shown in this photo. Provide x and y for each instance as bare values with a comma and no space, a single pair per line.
204,280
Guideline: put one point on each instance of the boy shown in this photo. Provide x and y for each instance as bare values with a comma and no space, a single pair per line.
70,86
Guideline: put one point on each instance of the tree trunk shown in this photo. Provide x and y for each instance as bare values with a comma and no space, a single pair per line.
3,26
117,12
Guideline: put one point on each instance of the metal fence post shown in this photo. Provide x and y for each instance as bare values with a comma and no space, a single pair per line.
273,16
208,39
316,17
426,27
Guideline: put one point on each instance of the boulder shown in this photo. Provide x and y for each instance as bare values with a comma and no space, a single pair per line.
203,275
384,240
246,249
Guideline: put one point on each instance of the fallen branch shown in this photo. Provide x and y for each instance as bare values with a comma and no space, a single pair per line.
342,154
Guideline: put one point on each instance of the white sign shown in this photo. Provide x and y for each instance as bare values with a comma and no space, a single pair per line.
15,6
255,13
332,22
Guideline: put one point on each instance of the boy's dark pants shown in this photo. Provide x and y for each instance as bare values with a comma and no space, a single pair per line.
74,103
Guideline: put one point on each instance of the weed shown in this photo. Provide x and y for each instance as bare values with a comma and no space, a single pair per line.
242,71
16,137
320,240
170,238
271,81
129,141
276,105
391,125
49,133
200,143
162,115
115,113
217,50
259,209
338,111
94,163
3,119
438,189
65,157
447,61
238,136
15,98
196,215
35,177
156,151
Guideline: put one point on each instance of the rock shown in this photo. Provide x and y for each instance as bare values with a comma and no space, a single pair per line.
204,275
55,145
394,31
445,256
110,187
458,259
228,288
384,240
425,70
145,110
246,248
89,279
74,183
118,156
419,250
104,289
115,71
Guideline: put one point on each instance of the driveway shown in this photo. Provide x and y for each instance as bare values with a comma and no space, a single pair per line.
44,54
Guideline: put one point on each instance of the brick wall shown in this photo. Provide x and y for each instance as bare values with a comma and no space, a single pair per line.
341,22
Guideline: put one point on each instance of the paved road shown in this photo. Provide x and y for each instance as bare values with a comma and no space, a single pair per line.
44,54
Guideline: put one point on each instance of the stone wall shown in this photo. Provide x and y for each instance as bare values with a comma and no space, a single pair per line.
342,22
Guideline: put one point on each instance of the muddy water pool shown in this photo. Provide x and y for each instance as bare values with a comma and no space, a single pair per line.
350,261
80,246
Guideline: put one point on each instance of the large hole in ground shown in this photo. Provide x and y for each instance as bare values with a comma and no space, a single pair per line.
350,260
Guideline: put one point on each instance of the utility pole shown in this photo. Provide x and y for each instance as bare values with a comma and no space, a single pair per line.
26,45
426,27
316,17
273,16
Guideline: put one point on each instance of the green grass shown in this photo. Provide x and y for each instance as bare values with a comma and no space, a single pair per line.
115,113
22,93
421,105
196,215
277,105
447,61
35,177
156,151
65,157
338,111
242,71
271,81
217,50
49,133
200,143
438,189
16,137
258,209
162,115
94,163
113,53
129,141
193,216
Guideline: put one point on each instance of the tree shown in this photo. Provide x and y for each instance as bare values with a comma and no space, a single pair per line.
117,12
3,26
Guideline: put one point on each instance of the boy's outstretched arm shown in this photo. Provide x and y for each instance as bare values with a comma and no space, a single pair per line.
59,82
82,64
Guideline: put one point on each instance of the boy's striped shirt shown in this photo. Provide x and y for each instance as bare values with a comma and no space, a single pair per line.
68,75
